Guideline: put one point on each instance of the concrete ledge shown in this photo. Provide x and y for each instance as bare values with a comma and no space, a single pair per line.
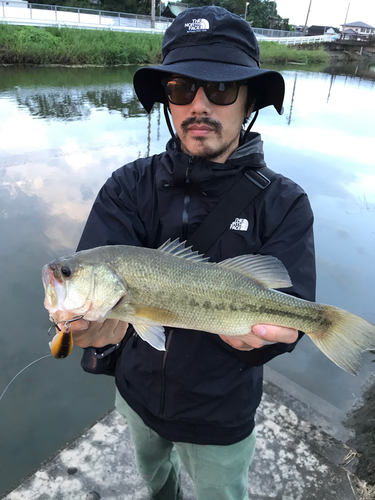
306,405
294,461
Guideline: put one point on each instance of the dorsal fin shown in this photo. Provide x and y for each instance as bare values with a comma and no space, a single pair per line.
265,269
179,249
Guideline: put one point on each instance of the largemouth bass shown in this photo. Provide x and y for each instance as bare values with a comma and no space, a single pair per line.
173,286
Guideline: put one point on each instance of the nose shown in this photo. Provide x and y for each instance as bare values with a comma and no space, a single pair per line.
200,105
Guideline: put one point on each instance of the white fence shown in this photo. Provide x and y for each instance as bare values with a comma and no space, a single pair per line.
305,39
53,15
268,33
17,12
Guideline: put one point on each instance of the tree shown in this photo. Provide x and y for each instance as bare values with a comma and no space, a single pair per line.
261,13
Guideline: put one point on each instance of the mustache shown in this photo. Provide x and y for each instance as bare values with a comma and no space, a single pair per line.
204,120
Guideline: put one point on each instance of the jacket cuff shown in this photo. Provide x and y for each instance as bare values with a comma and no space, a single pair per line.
258,357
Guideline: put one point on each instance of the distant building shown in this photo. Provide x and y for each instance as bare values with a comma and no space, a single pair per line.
300,28
349,34
17,3
173,9
321,30
362,30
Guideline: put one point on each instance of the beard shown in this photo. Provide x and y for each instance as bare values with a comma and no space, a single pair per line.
205,151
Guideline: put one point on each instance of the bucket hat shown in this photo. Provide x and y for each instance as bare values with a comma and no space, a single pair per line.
211,44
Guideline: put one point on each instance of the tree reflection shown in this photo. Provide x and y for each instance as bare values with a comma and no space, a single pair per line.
71,93
121,100
76,104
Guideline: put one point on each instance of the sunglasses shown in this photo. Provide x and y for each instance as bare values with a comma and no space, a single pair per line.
181,90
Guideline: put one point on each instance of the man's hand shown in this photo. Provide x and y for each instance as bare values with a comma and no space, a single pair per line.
262,335
96,334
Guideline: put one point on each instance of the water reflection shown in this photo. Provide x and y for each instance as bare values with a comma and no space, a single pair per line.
356,69
327,149
73,105
63,132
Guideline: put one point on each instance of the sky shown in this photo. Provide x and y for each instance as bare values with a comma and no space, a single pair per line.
327,12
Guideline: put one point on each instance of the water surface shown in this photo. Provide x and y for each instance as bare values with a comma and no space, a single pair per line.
64,130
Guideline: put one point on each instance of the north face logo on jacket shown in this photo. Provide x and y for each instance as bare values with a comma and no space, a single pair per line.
239,224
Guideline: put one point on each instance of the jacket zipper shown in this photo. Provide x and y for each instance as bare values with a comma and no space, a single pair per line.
185,212
185,225
163,376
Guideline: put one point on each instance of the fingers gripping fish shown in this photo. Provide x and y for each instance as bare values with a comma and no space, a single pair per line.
176,287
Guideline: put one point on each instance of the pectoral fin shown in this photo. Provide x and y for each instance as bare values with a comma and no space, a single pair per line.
153,334
161,316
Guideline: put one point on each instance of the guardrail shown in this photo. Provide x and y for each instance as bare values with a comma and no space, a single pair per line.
16,12
54,15
305,39
268,33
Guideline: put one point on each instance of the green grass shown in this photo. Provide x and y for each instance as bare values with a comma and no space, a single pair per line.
31,45
274,53
69,46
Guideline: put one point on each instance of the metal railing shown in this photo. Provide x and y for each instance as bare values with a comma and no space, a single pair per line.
16,12
306,39
267,33
44,15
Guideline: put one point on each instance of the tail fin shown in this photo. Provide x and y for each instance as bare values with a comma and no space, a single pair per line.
344,340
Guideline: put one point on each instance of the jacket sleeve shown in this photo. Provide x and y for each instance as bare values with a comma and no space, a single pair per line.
292,242
114,218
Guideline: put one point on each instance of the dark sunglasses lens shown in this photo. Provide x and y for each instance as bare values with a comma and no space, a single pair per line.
181,91
222,93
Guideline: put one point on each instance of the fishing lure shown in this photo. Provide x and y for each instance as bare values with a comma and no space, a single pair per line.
62,343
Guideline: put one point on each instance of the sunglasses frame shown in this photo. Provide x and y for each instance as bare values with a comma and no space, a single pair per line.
199,83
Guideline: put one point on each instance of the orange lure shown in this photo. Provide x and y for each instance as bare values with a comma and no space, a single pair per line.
62,343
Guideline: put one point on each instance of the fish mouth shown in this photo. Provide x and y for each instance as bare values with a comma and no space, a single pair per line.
55,291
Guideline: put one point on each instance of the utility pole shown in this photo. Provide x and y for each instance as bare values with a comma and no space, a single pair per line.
152,13
247,3
307,17
346,17
160,2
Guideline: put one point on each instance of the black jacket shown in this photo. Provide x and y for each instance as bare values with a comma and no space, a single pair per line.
200,390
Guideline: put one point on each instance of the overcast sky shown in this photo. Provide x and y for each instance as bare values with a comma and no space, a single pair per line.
327,12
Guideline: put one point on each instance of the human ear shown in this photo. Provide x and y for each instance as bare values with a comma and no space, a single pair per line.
250,109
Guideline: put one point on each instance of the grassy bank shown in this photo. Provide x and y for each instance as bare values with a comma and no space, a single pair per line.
273,53
31,45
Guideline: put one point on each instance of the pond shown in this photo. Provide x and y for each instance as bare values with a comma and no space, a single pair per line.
64,130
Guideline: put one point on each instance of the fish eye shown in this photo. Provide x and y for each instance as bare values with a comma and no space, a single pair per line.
66,271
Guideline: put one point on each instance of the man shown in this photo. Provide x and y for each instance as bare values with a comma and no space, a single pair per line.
196,401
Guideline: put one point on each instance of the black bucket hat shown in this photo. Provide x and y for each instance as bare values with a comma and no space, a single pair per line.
211,44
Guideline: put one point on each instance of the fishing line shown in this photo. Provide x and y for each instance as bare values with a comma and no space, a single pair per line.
23,369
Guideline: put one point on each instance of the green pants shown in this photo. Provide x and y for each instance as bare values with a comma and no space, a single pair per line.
218,472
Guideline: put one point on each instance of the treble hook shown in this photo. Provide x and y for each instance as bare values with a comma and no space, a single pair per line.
68,322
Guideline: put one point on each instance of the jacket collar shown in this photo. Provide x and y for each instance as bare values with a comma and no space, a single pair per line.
204,175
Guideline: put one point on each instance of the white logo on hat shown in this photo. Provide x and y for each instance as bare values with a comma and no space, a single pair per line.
198,25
